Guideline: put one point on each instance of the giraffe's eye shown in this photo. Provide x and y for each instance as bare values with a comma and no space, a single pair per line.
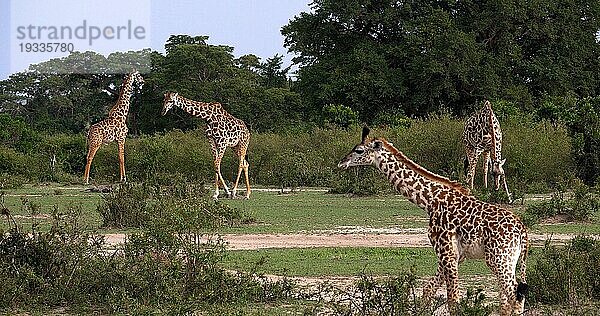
359,151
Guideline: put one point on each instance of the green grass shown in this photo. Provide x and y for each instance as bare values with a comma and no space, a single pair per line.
318,262
308,211
48,197
304,211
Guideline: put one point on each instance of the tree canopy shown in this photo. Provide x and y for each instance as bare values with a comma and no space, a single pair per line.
420,56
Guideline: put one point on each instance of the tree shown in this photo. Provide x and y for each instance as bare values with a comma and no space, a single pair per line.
421,56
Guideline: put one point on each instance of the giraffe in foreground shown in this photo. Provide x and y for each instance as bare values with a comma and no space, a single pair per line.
460,226
482,134
114,127
223,130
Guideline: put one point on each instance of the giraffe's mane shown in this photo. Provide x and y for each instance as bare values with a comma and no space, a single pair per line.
120,99
215,104
492,132
422,171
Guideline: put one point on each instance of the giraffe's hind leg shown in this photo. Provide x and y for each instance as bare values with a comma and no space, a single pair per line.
243,166
472,157
92,149
503,266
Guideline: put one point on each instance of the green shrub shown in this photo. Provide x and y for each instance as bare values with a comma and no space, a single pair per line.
580,207
15,133
390,297
538,154
170,266
143,205
568,275
339,115
126,205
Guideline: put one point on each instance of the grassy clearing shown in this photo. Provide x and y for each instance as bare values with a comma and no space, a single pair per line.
318,262
304,211
309,211
42,200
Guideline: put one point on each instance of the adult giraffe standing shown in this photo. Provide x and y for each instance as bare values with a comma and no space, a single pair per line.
460,226
223,130
482,134
113,128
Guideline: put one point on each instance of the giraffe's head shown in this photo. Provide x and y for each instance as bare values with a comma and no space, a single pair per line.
169,102
497,171
362,154
136,78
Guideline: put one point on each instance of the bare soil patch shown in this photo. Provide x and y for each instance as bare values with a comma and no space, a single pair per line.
338,239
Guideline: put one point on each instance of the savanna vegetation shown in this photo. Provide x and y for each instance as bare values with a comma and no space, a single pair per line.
411,70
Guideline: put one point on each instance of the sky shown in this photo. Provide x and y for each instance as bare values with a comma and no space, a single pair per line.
250,26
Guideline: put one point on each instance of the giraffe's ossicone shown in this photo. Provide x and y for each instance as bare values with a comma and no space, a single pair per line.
222,130
460,226
482,135
113,128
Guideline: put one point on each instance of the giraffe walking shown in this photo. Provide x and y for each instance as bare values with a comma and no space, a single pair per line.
113,128
460,226
223,130
482,135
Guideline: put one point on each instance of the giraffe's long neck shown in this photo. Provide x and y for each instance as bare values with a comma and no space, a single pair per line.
206,111
121,108
492,122
419,185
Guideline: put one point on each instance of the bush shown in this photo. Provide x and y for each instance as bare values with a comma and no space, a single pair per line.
339,115
538,154
568,275
583,204
390,297
170,266
141,205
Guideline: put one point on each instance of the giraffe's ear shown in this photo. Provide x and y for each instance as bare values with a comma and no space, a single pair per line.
365,134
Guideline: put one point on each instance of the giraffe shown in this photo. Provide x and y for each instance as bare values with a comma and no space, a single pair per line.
460,226
223,130
114,127
482,135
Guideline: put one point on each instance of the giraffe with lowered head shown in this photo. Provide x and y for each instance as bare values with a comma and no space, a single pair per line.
460,226
223,130
113,128
482,135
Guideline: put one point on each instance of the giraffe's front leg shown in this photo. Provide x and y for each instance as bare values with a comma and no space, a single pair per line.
445,248
122,161
472,156
486,167
430,289
218,177
92,149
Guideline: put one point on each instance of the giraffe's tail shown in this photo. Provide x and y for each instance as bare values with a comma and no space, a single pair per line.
522,287
466,166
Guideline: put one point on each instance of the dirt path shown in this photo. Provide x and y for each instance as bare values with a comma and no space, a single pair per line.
265,241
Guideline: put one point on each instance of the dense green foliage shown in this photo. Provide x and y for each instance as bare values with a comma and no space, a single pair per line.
535,161
423,56
567,275
581,206
170,266
256,92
